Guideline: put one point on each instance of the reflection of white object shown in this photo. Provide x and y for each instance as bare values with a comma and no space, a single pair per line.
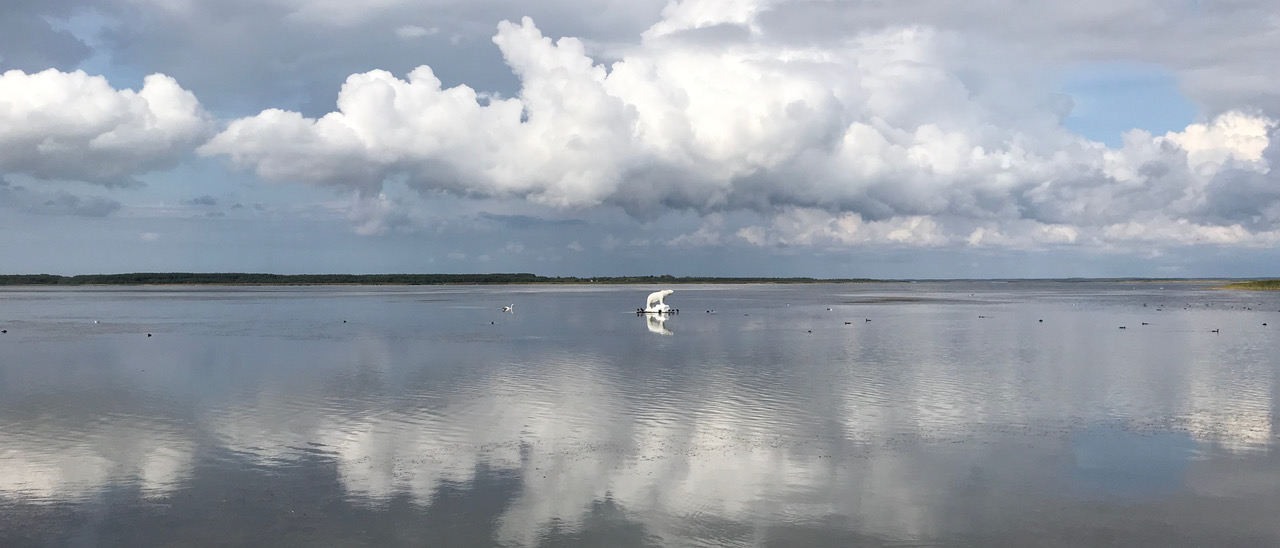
655,324
509,308
654,303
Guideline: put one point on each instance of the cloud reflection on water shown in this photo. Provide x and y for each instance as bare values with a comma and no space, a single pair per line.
916,426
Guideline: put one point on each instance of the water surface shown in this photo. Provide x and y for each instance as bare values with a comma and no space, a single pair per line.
970,414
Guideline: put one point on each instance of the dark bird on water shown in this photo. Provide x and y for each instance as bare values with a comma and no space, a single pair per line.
1122,327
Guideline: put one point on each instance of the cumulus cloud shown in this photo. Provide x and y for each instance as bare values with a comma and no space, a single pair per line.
74,126
881,136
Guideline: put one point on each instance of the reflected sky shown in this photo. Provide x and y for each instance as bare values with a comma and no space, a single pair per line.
426,415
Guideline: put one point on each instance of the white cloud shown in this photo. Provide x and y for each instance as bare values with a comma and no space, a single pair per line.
881,136
814,227
1232,136
1185,232
376,215
56,125
1027,234
709,234
409,32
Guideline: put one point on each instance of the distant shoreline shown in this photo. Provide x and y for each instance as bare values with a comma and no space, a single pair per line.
259,279
248,279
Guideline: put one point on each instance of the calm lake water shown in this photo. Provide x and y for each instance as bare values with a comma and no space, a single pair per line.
426,416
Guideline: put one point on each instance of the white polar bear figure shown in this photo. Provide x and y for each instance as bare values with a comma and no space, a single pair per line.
654,304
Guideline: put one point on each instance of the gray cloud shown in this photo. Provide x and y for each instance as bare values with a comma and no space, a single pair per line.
525,222
1246,196
29,42
293,54
206,201
1220,51
54,203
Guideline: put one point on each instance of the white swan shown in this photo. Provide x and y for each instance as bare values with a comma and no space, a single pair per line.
654,304
509,308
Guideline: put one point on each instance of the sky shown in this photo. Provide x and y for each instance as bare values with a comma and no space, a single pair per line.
826,138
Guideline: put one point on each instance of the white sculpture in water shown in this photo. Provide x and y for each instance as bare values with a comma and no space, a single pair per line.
654,304
655,324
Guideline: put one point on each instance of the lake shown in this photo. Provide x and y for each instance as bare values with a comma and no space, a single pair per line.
922,414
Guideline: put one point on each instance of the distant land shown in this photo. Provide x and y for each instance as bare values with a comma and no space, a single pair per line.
192,278
235,278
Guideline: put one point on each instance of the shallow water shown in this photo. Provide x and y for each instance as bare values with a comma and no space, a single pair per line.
337,416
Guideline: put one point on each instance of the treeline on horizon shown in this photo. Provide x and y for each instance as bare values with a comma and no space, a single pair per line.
193,278
237,278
